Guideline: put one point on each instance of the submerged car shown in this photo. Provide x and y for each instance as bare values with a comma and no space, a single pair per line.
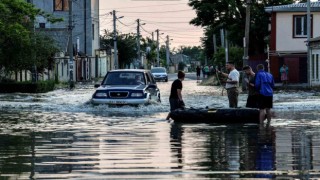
126,86
160,74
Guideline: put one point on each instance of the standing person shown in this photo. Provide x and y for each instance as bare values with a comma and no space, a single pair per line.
252,100
284,71
264,84
198,73
175,98
206,71
232,84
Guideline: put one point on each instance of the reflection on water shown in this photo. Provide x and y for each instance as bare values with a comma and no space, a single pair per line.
86,146
59,135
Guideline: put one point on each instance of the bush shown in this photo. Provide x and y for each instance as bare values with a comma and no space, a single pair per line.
27,87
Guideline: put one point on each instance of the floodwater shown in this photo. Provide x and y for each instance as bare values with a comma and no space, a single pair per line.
59,135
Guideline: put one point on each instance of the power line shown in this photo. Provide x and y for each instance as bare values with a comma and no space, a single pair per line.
145,30
155,11
147,6
126,24
165,22
139,16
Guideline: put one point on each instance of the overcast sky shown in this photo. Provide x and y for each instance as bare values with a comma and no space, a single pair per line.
171,17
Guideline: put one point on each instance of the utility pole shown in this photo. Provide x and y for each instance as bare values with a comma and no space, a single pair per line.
152,37
167,51
214,38
158,56
138,41
226,46
115,40
308,42
246,34
246,43
71,83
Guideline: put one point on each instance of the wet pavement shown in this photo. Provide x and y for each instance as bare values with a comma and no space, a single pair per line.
60,135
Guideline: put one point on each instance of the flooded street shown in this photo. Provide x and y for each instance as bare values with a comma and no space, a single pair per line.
60,135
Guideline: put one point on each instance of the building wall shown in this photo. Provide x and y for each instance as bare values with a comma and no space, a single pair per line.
315,67
85,17
284,29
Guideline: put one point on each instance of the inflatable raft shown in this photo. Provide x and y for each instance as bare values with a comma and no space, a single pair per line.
223,115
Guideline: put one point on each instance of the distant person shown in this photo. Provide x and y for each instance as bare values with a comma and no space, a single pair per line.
206,71
252,100
198,69
284,72
175,98
264,84
232,84
203,72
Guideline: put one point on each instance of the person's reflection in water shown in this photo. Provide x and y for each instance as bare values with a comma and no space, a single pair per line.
265,151
176,143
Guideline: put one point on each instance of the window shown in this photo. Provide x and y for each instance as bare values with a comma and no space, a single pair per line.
42,25
61,5
300,26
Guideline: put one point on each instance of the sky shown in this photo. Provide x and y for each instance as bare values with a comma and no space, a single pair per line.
171,17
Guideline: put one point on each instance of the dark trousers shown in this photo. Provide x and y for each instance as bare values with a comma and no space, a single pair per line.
233,94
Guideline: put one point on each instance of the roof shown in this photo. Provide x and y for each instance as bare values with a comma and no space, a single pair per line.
129,70
296,7
316,39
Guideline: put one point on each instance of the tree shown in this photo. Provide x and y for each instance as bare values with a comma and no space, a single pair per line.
151,50
230,15
126,44
235,55
194,52
20,46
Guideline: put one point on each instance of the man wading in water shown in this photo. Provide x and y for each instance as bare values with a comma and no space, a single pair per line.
232,84
175,99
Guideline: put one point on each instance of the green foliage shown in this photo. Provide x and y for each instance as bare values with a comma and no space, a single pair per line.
230,15
27,87
126,44
195,53
21,47
235,55
152,54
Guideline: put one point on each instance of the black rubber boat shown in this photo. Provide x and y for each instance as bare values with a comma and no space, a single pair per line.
223,115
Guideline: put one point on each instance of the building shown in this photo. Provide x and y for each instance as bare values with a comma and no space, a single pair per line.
315,61
175,59
288,38
85,38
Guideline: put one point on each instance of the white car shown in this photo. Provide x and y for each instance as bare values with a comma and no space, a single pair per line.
159,74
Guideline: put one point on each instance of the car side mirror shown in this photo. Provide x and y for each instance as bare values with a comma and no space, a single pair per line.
96,85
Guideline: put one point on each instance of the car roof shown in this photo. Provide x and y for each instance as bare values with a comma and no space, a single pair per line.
158,68
129,70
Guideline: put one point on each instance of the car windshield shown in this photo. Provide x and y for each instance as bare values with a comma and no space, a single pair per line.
158,70
124,78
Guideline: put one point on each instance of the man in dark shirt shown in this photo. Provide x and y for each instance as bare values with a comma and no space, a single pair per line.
252,101
198,73
175,98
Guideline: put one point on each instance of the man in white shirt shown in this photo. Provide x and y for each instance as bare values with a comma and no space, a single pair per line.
232,84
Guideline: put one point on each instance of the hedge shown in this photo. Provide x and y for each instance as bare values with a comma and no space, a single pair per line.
27,87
